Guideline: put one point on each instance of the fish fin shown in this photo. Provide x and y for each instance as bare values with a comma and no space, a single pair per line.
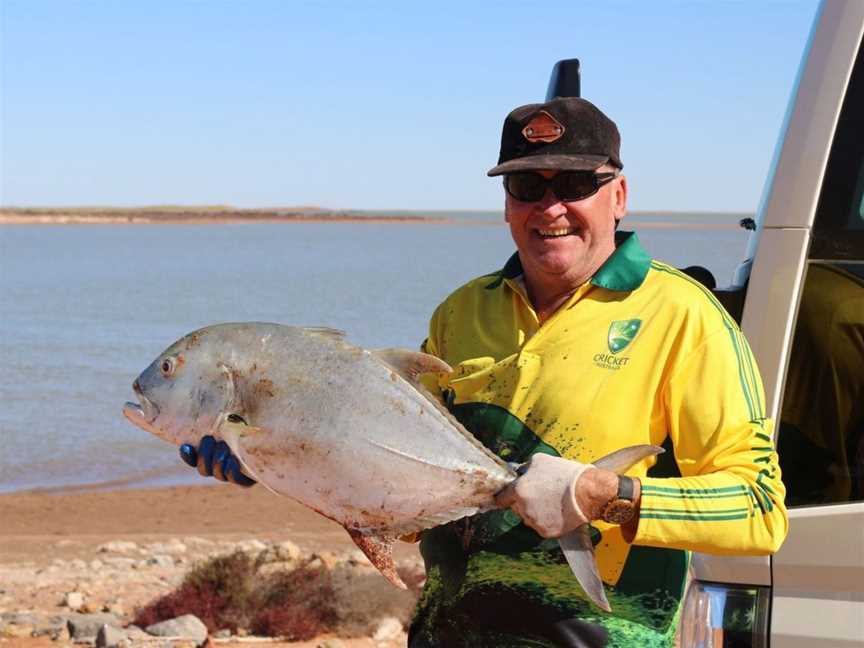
579,552
410,364
231,431
379,551
621,460
324,331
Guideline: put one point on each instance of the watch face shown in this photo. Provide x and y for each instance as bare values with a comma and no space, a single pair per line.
619,511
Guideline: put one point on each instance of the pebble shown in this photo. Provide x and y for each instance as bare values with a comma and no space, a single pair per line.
331,643
117,546
285,551
173,546
85,627
199,543
251,546
119,562
109,637
160,560
187,626
73,600
388,628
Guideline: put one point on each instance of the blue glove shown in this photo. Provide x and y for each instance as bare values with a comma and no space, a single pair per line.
214,459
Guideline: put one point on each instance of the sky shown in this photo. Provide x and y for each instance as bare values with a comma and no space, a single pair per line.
380,105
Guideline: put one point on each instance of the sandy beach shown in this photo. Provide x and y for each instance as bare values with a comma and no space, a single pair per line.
123,548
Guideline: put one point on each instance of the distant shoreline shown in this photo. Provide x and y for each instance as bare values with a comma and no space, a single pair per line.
206,215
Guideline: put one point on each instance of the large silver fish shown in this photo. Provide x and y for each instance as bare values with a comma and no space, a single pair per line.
348,432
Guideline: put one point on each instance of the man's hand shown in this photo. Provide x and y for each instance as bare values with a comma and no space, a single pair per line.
214,459
545,495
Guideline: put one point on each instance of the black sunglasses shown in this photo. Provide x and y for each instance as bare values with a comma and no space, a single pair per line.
567,186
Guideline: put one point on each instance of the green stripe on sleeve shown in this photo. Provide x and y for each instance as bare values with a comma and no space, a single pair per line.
691,517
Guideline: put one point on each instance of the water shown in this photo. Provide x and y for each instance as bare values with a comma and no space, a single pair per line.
84,308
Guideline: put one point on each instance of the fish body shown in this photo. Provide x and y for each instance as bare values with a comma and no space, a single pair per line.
346,431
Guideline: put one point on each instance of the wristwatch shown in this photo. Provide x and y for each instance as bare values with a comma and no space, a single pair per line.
621,508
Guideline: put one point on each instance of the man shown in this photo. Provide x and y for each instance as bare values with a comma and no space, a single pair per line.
581,345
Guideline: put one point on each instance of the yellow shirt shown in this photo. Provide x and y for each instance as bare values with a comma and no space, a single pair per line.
640,354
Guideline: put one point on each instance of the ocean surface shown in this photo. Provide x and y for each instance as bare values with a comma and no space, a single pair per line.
84,308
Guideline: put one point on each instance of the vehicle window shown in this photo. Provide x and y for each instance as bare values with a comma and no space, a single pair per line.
838,231
821,431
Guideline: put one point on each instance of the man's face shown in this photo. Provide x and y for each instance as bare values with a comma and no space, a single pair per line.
564,243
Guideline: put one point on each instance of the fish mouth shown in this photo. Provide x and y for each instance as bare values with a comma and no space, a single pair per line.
142,414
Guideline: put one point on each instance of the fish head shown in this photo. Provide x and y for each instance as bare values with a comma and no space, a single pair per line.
183,392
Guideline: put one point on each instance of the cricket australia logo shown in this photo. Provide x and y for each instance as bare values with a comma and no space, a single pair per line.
621,334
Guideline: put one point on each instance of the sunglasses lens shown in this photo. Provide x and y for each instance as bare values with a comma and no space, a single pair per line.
574,186
526,187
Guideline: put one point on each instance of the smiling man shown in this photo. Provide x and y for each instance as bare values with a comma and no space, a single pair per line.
579,346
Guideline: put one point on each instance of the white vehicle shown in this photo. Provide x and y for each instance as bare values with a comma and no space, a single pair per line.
800,301
799,298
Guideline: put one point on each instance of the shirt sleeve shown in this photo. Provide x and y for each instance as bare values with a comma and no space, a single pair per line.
432,346
730,498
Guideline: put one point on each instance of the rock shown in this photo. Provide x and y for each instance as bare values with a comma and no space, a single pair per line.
173,546
16,631
96,564
198,543
329,559
252,547
160,560
55,628
109,637
388,628
77,564
19,618
114,607
73,600
222,634
331,643
118,546
357,557
187,626
85,627
120,562
285,551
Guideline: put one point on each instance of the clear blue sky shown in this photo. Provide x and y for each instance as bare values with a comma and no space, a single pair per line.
379,105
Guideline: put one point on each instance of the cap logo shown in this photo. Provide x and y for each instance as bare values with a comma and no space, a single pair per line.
543,128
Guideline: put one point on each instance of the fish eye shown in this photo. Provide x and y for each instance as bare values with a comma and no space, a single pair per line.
168,366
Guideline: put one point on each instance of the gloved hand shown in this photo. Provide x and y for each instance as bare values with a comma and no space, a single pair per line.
545,495
214,459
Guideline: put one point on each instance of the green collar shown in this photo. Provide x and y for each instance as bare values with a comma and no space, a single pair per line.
625,270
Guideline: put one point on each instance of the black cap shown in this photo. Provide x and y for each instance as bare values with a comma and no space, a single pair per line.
567,133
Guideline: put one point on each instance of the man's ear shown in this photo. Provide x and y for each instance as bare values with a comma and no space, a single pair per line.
619,205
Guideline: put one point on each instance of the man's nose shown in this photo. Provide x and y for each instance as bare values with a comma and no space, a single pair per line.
551,205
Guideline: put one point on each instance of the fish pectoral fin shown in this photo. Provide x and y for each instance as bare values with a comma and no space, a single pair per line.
379,551
410,364
230,430
579,552
621,460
